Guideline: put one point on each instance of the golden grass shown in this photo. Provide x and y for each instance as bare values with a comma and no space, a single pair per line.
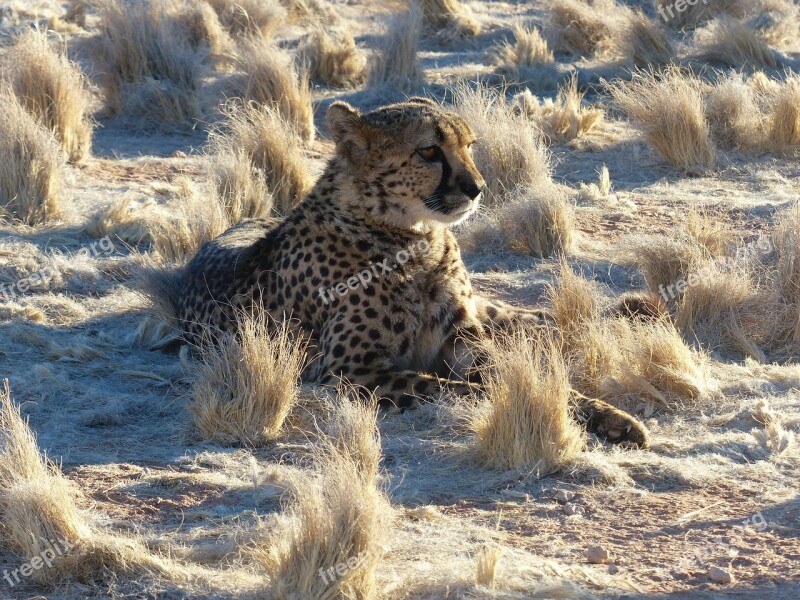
734,113
270,79
665,261
246,383
643,43
526,421
669,110
395,63
784,117
336,521
574,302
728,41
539,222
53,89
567,119
784,281
147,60
510,153
333,58
247,17
40,517
690,16
273,151
32,165
450,18
486,567
583,27
529,49
708,231
240,186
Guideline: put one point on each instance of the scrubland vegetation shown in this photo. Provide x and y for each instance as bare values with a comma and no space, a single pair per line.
641,183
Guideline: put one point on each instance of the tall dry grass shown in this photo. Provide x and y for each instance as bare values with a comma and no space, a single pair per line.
32,166
734,112
246,383
585,27
54,90
270,78
563,119
784,117
526,422
249,17
395,64
340,517
264,148
529,49
333,58
730,42
510,153
669,111
41,519
149,65
642,42
449,18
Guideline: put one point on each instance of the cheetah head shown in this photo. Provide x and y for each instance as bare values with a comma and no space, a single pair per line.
411,162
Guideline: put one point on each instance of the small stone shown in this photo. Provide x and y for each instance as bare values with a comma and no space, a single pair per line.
613,569
596,555
563,496
571,509
178,154
516,495
719,575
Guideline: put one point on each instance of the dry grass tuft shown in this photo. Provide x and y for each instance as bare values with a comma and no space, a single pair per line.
729,42
246,383
53,89
486,567
584,27
333,58
449,18
32,165
529,49
784,117
669,111
574,302
539,223
150,67
248,17
690,16
267,150
565,119
665,261
526,421
40,518
340,518
271,79
643,43
510,153
734,112
395,64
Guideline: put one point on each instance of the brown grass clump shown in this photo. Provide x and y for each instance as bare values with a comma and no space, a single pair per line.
40,518
337,520
274,153
729,42
574,303
538,222
643,43
247,17
690,16
486,567
784,311
526,423
584,26
247,382
271,79
529,49
734,113
333,58
449,18
567,119
510,153
241,187
53,89
32,165
395,64
784,117
665,261
146,56
669,111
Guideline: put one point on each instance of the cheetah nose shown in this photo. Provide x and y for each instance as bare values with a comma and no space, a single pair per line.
472,190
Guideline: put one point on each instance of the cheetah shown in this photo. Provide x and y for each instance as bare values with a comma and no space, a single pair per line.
368,267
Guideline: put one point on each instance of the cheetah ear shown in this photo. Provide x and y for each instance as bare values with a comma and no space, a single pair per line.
344,122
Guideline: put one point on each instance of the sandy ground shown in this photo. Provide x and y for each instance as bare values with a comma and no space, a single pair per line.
113,413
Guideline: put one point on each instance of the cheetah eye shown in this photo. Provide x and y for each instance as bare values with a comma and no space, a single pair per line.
430,154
